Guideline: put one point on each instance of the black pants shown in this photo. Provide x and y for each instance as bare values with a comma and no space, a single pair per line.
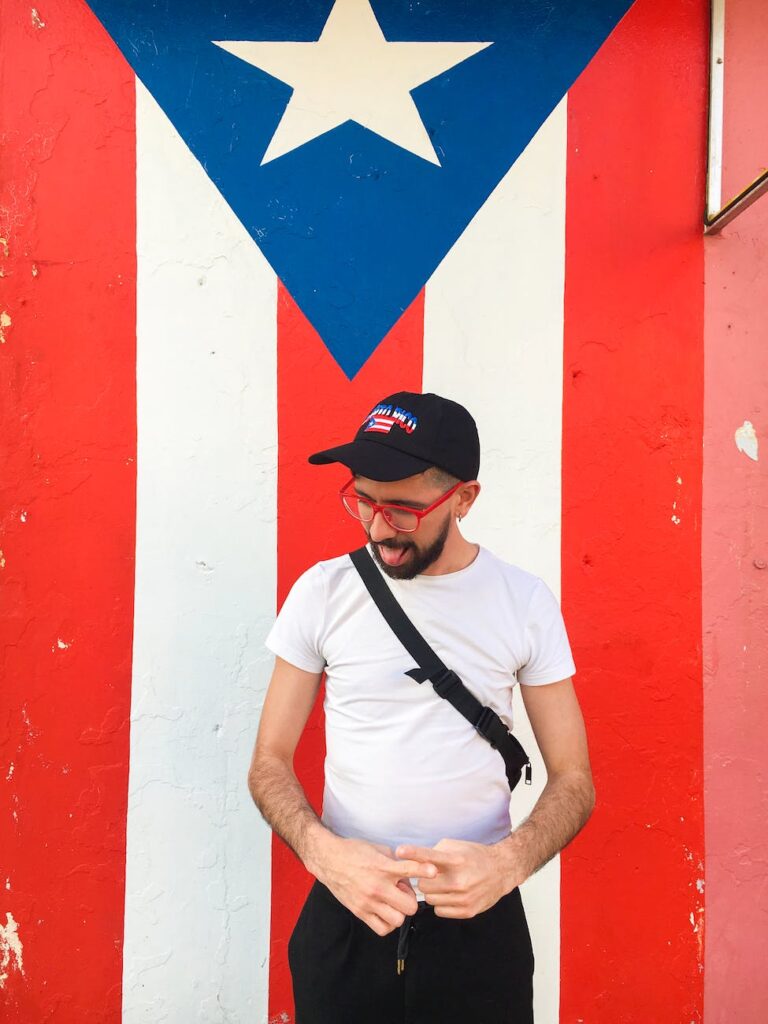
474,971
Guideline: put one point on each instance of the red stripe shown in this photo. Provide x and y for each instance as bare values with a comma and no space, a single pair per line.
312,525
67,203
632,425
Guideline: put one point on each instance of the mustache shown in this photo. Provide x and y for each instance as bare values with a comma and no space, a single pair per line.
392,545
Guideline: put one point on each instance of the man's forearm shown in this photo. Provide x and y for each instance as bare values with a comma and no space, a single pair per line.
363,876
560,812
284,806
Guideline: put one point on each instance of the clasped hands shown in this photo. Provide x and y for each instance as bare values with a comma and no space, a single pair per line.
458,878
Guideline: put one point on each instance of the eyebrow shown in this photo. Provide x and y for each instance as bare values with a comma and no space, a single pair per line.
394,501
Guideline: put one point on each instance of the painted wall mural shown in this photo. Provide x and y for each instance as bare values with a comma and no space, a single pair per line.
226,230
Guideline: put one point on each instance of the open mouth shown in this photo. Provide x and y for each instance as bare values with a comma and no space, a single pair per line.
392,556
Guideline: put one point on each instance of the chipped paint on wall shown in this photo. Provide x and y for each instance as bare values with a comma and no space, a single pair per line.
11,949
746,440
5,322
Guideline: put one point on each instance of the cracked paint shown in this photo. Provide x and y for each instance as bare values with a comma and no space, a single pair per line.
11,949
5,322
697,923
65,838
746,440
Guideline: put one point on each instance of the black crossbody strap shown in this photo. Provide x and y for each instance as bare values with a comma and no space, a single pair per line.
444,681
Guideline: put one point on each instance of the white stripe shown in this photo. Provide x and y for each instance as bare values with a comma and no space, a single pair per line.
493,340
198,856
716,100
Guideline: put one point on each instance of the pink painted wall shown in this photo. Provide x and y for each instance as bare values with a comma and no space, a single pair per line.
735,622
735,552
745,124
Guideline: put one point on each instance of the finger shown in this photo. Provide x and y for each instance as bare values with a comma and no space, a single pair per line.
389,914
454,912
409,869
403,901
378,924
445,899
428,856
436,886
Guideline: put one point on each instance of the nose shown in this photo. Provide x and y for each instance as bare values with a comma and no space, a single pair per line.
380,529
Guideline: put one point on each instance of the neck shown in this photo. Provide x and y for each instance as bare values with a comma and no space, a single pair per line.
457,554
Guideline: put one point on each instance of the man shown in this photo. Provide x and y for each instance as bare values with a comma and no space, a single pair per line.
415,914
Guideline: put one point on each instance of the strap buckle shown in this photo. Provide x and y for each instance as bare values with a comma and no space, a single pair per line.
483,725
445,681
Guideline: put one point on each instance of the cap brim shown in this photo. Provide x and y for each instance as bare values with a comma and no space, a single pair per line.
375,461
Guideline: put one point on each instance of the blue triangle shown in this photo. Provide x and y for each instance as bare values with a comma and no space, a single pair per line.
352,224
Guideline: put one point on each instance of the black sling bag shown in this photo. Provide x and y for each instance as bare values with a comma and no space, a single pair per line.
444,681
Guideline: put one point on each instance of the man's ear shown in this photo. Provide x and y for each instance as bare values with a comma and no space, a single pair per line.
468,493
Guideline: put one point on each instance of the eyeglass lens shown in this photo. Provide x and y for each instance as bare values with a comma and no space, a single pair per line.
397,518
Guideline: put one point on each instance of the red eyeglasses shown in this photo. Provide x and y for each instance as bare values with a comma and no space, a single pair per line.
399,517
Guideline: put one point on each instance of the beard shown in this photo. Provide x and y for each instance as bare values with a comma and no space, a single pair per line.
418,559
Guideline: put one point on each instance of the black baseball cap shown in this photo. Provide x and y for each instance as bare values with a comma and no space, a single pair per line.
405,434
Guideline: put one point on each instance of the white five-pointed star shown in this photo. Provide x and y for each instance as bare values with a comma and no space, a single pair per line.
352,73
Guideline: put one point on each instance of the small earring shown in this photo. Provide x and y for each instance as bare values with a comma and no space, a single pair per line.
459,518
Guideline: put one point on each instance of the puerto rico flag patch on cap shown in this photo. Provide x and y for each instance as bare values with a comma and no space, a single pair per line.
384,417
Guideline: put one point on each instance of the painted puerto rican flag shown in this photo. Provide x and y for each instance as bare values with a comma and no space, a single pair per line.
228,229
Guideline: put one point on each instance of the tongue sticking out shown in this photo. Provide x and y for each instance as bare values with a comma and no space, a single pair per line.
392,556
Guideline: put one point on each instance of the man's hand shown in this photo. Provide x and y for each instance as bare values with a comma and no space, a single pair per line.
368,879
470,877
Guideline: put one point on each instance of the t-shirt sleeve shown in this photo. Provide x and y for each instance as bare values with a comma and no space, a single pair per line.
297,631
550,657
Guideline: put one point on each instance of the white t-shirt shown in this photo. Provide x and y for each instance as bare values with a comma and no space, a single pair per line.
402,765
